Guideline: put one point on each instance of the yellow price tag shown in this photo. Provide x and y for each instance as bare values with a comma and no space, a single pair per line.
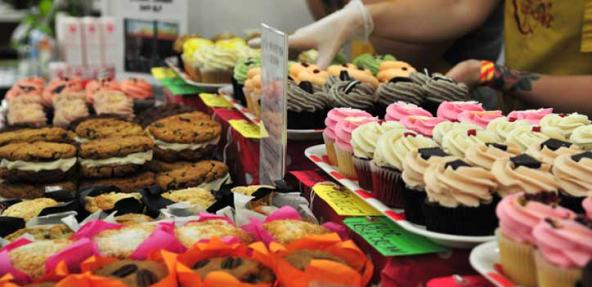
162,73
247,129
214,101
343,201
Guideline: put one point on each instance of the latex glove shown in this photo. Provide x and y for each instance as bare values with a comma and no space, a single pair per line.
330,33
467,72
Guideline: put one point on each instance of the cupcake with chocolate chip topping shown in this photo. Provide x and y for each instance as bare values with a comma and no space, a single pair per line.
574,174
306,109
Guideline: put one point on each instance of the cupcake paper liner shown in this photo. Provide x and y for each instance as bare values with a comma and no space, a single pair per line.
364,172
413,200
345,163
239,94
517,260
571,202
330,147
461,220
387,185
550,275
193,72
216,77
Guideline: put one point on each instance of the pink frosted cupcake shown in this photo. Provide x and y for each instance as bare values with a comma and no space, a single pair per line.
564,249
343,147
452,110
400,110
333,117
587,205
421,124
479,118
532,116
518,214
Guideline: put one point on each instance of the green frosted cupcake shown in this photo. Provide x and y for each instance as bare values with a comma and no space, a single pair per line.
371,62
239,77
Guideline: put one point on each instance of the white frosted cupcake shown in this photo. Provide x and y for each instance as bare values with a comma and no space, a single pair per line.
524,137
457,141
582,136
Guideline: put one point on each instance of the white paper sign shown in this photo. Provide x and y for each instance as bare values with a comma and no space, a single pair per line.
274,77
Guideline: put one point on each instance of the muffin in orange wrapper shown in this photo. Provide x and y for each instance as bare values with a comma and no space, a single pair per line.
322,260
216,263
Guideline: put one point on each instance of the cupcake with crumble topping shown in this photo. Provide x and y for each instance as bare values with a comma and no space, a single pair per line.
523,173
484,155
343,147
574,174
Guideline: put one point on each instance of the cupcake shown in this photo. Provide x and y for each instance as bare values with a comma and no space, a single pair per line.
479,118
333,117
582,136
67,111
399,110
190,49
502,126
354,73
531,116
399,89
587,205
414,166
518,214
524,137
391,149
484,155
315,75
440,89
306,109
457,192
371,62
216,63
457,141
61,85
562,124
240,76
574,174
563,251
452,110
343,147
523,173
444,127
421,124
363,141
352,94
388,70
252,90
550,149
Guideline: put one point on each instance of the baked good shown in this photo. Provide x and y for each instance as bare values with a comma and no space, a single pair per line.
61,85
439,89
30,258
581,137
484,155
122,243
479,118
502,126
188,136
96,86
574,174
252,90
193,232
399,88
451,110
115,156
444,127
42,232
333,117
421,124
389,70
29,209
26,114
306,107
162,166
285,231
190,47
562,124
550,149
244,269
207,174
67,111
47,134
352,94
343,147
37,162
24,86
399,110
27,190
113,103
125,184
531,116
153,114
371,62
457,192
106,201
132,218
134,273
523,173
242,67
97,128
353,73
518,214
302,258
363,142
458,140
193,196
526,136
136,88
391,149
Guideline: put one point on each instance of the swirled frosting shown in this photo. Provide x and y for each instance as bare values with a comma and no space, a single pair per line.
352,94
550,149
417,162
484,155
364,137
243,66
300,99
574,173
215,58
399,110
393,146
452,110
444,127
514,178
479,118
400,89
524,137
344,129
563,124
440,88
371,62
502,126
587,204
337,114
455,183
421,124
582,136
564,243
531,116
457,141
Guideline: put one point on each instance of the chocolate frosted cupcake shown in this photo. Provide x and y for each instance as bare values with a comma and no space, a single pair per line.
459,199
574,174
440,88
523,173
550,149
399,89
352,94
306,109
414,167
484,155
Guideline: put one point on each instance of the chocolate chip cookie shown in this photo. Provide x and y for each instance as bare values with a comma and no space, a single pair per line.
244,269
162,166
130,183
207,174
156,113
33,190
47,134
115,156
134,273
96,128
37,162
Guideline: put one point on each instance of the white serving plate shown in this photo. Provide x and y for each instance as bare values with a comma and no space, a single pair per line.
206,87
316,155
484,258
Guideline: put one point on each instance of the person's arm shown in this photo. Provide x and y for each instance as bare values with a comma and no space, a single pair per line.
563,93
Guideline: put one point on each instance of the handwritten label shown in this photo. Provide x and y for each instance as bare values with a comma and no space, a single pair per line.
390,239
343,201
214,101
247,129
161,73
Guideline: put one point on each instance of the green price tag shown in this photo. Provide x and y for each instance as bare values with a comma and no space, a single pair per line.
390,239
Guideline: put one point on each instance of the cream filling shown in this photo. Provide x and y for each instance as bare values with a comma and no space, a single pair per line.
62,164
134,158
182,146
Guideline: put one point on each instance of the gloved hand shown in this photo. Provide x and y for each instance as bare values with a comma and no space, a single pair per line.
330,33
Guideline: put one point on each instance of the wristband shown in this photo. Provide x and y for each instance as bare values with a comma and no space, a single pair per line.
487,73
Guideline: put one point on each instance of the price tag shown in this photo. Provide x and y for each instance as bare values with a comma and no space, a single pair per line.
390,239
343,201
247,129
214,101
160,73
180,88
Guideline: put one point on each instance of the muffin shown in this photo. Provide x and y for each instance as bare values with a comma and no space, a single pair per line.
573,172
391,149
343,147
400,110
550,149
98,128
243,269
30,258
582,137
502,126
134,273
285,231
363,142
333,117
107,201
114,157
130,183
207,174
189,136
42,232
523,173
518,214
457,192
194,232
479,118
457,141
47,134
132,218
306,108
451,110
531,116
198,198
563,124
37,162
123,242
420,124
484,155
524,137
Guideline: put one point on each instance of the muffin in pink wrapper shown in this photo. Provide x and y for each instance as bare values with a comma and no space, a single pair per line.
421,124
333,117
587,205
564,249
452,110
519,213
136,88
343,147
479,118
531,116
399,110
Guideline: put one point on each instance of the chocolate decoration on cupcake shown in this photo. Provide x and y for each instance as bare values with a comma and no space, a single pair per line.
307,86
344,76
498,146
580,156
455,164
525,160
427,153
554,144
350,86
400,80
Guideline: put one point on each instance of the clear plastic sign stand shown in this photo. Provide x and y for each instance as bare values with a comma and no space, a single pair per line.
273,115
